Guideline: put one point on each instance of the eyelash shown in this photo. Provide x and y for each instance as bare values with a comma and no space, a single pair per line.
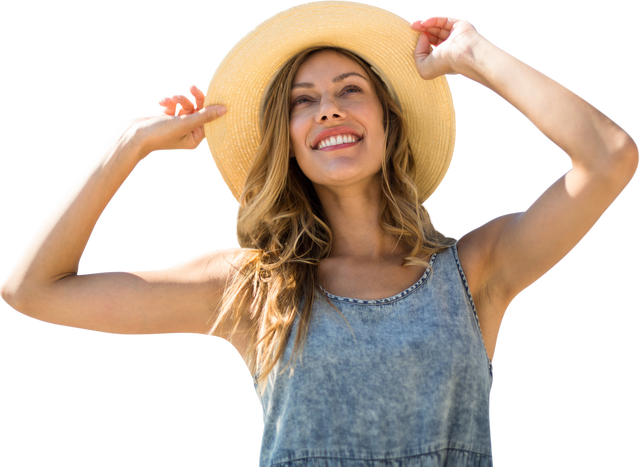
344,91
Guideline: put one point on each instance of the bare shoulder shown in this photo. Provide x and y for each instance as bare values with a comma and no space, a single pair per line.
219,265
215,268
229,258
471,255
476,250
233,257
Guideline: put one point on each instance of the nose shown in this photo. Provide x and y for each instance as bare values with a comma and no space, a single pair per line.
329,110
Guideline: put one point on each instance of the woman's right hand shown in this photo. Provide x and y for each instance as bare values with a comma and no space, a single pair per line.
170,131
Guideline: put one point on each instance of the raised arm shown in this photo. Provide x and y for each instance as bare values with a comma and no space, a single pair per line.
45,283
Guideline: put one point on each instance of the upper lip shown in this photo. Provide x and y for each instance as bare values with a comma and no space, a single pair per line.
336,130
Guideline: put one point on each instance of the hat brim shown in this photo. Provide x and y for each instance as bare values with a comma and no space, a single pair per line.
381,38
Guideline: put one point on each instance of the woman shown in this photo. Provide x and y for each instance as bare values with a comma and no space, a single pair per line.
499,259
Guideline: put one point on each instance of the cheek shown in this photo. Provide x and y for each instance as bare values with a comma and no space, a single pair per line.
297,141
297,132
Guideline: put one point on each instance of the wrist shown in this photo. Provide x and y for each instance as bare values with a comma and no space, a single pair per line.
472,63
126,149
133,142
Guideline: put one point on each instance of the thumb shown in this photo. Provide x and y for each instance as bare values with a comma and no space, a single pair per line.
423,48
426,63
207,114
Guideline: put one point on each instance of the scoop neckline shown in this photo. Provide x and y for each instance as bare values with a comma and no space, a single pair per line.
395,297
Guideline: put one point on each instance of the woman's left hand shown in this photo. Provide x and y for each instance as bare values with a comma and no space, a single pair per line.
454,41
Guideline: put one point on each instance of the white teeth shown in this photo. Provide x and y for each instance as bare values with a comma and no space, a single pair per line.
335,140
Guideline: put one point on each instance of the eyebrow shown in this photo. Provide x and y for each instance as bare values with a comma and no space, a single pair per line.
337,79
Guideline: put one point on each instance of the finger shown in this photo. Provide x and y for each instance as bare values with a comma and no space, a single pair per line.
437,36
184,105
198,96
170,109
162,100
195,90
417,25
438,27
167,105
440,20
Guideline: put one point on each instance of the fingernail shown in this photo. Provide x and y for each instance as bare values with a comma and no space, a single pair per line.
221,110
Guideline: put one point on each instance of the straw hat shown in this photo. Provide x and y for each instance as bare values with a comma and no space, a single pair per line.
381,38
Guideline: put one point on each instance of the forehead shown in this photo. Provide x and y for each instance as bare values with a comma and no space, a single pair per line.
326,63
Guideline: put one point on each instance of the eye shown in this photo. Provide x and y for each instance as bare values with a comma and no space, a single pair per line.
348,88
299,99
355,88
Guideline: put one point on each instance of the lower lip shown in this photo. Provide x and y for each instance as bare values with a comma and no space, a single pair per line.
338,146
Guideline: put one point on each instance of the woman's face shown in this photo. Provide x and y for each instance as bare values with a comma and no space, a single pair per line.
336,124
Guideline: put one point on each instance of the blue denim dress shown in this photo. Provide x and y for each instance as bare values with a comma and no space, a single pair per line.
405,384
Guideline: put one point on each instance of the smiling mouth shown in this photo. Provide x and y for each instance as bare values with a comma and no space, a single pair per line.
337,146
336,140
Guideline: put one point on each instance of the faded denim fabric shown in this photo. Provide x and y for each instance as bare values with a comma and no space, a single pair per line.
408,388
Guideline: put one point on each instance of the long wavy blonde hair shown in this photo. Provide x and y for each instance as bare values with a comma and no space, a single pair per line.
282,227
